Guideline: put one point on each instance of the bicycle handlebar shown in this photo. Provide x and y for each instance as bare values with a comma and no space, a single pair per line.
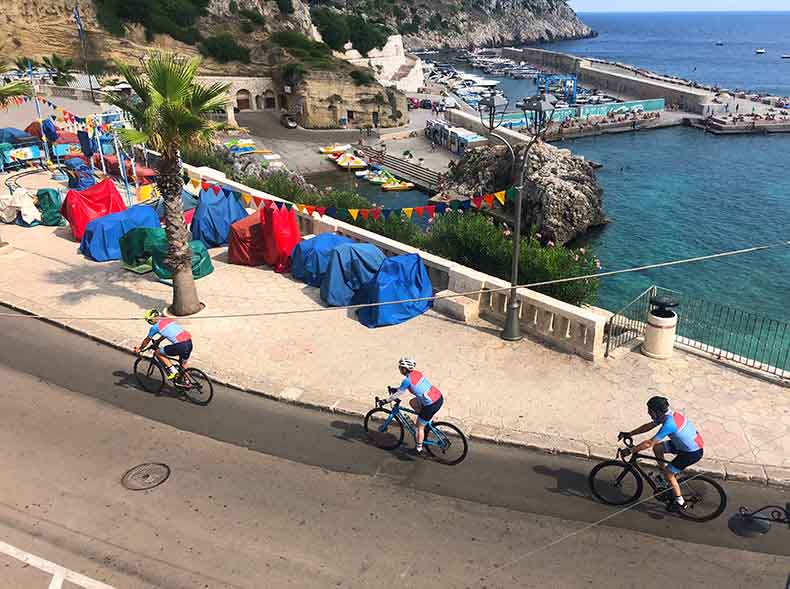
628,441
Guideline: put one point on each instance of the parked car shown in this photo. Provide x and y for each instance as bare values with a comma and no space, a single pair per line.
288,121
426,103
413,103
449,102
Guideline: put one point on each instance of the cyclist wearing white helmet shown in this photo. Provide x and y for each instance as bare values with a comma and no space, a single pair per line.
179,338
427,398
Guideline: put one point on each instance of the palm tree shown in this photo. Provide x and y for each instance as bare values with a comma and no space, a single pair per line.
169,113
61,66
7,92
21,63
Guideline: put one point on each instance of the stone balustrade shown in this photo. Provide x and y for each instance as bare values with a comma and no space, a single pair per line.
463,293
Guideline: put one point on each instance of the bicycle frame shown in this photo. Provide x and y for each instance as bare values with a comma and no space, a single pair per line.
398,413
633,462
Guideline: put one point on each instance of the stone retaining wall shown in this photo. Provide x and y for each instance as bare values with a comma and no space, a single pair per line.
463,293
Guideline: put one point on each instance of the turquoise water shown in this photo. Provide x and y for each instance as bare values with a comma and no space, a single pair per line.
373,192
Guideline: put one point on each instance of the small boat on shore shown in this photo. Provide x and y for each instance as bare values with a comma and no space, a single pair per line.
786,56
351,162
719,43
397,185
759,51
335,148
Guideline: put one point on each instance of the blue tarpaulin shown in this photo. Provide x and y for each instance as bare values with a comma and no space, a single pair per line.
102,237
50,130
79,173
399,278
214,215
16,137
188,202
310,257
351,267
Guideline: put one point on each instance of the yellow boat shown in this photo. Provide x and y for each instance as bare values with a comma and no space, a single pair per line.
335,148
351,162
397,185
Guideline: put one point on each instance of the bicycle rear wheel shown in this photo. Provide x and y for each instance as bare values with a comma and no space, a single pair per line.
615,482
200,391
149,375
446,443
386,437
705,498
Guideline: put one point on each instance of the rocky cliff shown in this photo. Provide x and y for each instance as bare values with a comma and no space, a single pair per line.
468,23
562,197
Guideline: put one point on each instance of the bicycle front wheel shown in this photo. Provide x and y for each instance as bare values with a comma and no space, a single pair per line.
615,482
200,391
149,375
446,443
386,436
705,498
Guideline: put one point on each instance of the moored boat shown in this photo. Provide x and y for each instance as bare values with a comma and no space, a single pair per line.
335,148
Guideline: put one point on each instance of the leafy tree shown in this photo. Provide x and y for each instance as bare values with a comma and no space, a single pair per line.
224,48
365,36
286,6
253,16
333,27
61,67
167,115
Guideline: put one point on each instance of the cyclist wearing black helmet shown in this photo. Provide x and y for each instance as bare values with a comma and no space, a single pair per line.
684,441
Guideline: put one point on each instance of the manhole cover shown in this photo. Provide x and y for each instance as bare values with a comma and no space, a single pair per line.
145,476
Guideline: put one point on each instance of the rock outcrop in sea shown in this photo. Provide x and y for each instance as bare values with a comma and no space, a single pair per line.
562,198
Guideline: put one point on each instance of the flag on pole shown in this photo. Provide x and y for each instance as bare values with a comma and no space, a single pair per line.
78,20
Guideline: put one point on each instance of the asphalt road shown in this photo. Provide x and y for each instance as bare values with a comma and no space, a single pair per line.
532,509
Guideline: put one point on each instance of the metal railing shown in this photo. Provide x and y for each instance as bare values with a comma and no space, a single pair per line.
718,330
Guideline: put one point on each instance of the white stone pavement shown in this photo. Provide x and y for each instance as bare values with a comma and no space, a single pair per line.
520,393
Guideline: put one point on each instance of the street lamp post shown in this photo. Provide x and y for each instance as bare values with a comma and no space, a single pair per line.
541,109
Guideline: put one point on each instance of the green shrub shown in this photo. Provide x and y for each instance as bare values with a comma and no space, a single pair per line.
365,35
247,27
224,48
176,18
253,16
363,77
292,72
233,7
397,228
332,26
207,156
286,6
310,53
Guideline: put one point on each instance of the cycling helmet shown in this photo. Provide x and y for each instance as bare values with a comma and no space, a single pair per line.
152,316
658,405
407,363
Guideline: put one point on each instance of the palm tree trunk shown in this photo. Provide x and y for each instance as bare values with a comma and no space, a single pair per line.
179,253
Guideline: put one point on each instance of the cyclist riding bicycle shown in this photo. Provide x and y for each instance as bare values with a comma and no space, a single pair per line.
684,441
427,398
180,341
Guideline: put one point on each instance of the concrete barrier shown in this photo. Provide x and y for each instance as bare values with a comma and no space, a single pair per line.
463,293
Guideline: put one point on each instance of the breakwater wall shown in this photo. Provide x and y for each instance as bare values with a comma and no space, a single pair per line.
614,79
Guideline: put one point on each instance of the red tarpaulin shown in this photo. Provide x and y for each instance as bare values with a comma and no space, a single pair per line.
114,168
81,207
280,236
246,241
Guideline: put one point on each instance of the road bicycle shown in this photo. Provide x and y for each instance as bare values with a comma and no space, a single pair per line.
191,383
445,442
617,482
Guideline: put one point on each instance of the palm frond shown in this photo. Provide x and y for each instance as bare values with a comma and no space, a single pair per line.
13,90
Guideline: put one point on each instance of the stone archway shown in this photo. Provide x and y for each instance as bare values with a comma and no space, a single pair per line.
258,102
243,100
269,101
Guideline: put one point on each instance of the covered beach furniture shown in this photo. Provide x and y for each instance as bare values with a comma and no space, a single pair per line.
18,207
245,244
310,258
137,247
280,236
101,240
49,204
79,173
201,261
351,267
399,278
80,207
214,215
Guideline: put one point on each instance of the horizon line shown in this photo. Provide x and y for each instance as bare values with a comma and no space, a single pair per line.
588,11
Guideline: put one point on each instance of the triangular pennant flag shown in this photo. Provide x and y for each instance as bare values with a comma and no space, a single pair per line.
408,211
441,208
376,213
489,200
279,204
511,193
194,182
430,210
477,202
310,210
465,205
419,211
288,206
266,202
365,213
386,213
204,186
246,198
353,213
332,212
236,194
455,205
301,208
321,210
500,196
216,189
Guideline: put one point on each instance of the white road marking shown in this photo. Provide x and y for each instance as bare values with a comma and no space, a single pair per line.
59,573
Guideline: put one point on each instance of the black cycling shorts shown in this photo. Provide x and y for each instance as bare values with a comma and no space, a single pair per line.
428,411
683,459
182,349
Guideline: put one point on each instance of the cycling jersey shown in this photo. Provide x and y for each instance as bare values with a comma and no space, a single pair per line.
419,386
170,330
684,437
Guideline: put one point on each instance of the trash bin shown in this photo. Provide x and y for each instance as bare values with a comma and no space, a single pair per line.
662,323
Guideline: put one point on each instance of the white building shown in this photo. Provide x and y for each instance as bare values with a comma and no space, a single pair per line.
391,64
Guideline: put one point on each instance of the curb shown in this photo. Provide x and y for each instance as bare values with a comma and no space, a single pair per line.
773,476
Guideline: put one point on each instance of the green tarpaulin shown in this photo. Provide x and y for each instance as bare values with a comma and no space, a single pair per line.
49,205
201,261
138,245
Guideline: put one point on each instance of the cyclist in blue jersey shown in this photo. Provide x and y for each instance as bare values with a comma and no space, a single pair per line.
683,440
427,398
180,341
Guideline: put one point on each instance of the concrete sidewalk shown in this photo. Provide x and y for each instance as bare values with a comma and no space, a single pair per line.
522,393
